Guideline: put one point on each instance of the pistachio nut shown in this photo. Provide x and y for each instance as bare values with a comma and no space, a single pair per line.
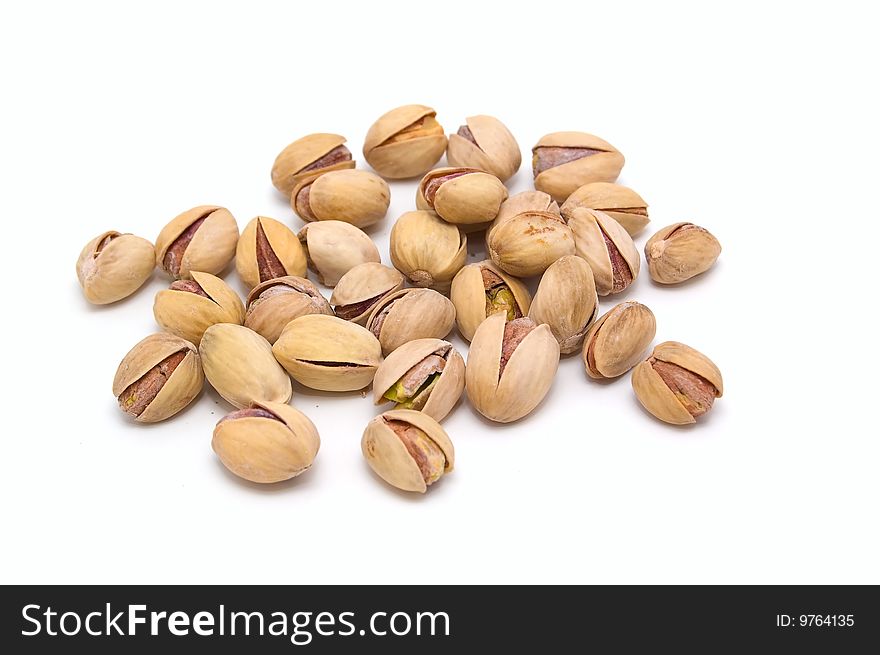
200,239
189,307
266,442
617,341
608,249
484,142
268,249
160,376
357,197
566,301
112,266
621,203
464,196
410,314
679,252
427,249
510,367
677,384
481,289
308,158
407,449
361,288
327,353
405,142
273,304
239,364
425,374
564,161
333,248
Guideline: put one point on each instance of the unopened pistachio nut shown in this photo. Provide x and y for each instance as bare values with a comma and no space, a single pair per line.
608,249
357,197
679,252
273,304
618,340
484,142
510,367
200,239
160,376
189,307
239,364
266,442
307,158
464,196
405,142
566,301
333,248
268,249
407,449
425,374
621,203
427,249
677,384
410,314
481,289
564,161
327,353
361,288
112,266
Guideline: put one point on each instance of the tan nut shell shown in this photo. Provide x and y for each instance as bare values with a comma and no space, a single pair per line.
496,152
405,158
357,197
284,244
658,398
212,247
617,341
319,338
587,226
333,248
468,295
619,202
363,282
270,316
427,249
529,242
389,458
239,364
265,450
299,154
188,315
179,390
527,377
416,314
448,388
561,181
120,269
675,255
470,199
566,301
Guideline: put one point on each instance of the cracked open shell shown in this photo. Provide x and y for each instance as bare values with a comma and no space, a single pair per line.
585,158
463,196
309,157
484,142
608,249
427,249
190,307
268,249
357,197
208,234
481,289
566,301
621,203
361,288
410,314
112,266
616,342
275,303
405,142
333,248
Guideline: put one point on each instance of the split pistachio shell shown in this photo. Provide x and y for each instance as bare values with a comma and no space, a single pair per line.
617,341
160,376
527,243
275,303
200,239
357,197
327,353
564,161
405,142
427,249
608,249
425,374
621,203
268,249
566,301
112,266
333,248
407,449
239,364
677,384
307,158
679,252
502,385
463,196
484,142
189,307
481,289
266,442
410,314
361,288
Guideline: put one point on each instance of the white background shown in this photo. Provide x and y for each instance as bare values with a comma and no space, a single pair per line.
756,121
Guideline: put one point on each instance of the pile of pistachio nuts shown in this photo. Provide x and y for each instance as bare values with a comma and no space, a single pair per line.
387,326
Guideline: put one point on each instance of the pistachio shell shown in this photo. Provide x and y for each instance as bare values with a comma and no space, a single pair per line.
469,296
269,315
333,248
405,142
617,341
493,148
621,203
112,266
287,170
256,264
612,275
529,242
188,315
562,180
357,197
679,252
210,249
428,250
411,314
362,284
566,301
468,197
